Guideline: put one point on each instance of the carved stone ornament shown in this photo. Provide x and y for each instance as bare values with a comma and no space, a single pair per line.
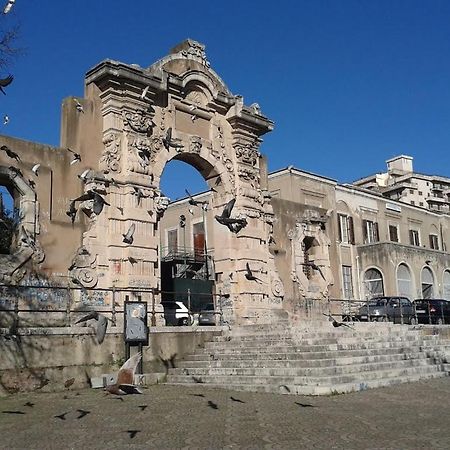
250,175
195,144
83,267
197,50
276,285
247,153
110,160
139,121
161,204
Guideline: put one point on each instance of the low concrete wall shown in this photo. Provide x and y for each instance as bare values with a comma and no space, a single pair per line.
44,358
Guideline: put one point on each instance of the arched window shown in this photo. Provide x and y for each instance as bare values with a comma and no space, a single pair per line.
427,283
446,285
373,283
404,282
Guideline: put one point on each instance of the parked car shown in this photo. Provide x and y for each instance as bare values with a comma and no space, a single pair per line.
207,315
388,309
176,314
433,310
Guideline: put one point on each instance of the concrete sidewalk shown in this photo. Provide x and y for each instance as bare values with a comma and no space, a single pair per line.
408,416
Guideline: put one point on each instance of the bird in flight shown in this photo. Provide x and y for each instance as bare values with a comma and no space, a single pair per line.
11,154
144,92
35,169
72,211
139,194
5,119
102,324
98,201
8,6
4,82
82,413
125,378
314,266
76,157
194,202
132,433
234,225
79,106
168,141
128,237
249,274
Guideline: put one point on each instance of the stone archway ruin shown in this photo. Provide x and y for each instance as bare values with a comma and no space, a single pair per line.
123,132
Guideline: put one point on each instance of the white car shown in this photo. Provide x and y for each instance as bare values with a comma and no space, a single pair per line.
176,314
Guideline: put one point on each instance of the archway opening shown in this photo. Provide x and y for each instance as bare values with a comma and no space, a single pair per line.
373,283
427,283
187,272
404,282
8,217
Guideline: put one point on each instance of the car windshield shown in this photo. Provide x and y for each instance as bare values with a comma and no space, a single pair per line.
380,302
209,307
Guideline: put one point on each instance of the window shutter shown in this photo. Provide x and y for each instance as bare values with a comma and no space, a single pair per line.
339,227
351,231
411,237
375,231
364,227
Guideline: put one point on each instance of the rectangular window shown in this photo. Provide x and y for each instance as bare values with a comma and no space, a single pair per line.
393,233
347,284
198,231
345,228
414,238
172,241
434,243
370,231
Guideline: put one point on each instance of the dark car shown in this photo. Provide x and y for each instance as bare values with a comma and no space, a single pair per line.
433,310
207,315
388,309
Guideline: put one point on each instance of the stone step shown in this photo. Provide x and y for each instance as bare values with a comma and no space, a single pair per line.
275,346
302,363
341,388
301,371
286,380
294,354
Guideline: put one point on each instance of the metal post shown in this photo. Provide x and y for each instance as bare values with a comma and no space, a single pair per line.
113,306
153,319
429,312
367,306
442,313
401,311
189,303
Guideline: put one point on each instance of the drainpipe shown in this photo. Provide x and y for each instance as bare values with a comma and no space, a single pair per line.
358,280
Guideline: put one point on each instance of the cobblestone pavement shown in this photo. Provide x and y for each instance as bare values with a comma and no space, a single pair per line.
408,416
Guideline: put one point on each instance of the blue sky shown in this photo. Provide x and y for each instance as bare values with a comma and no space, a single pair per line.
348,84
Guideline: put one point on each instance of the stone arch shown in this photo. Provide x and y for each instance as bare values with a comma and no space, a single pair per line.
405,285
373,282
446,284
428,288
149,117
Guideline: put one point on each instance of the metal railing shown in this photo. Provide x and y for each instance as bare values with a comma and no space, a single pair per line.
37,306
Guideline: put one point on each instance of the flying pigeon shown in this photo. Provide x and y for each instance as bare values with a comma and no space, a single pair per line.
194,202
125,378
132,260
72,211
5,119
4,82
31,183
128,237
169,142
76,157
144,92
138,192
314,266
86,175
79,106
8,6
10,153
99,201
234,225
102,324
249,274
194,118
35,169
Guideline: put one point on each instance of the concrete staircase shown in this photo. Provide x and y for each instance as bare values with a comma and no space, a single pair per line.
321,361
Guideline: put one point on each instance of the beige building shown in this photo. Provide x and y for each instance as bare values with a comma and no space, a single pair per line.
400,182
341,241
